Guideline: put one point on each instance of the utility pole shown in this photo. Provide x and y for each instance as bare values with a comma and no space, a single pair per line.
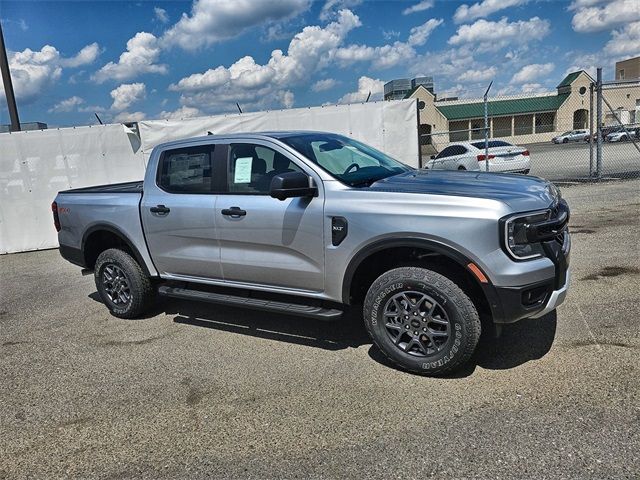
8,85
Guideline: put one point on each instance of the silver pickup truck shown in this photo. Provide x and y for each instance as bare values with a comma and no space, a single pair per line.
309,223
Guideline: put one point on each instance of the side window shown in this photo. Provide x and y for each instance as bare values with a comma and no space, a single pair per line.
252,167
447,152
458,150
186,170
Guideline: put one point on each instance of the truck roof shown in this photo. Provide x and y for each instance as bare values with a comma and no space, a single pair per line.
247,135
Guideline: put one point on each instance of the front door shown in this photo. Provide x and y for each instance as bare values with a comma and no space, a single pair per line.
178,213
265,241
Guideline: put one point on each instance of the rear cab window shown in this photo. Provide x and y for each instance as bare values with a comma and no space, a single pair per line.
186,170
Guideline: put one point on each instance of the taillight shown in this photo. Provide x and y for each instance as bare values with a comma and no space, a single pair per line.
56,219
484,157
525,153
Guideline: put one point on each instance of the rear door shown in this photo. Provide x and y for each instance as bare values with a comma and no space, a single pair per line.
265,241
178,213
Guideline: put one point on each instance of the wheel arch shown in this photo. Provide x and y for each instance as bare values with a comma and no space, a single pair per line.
427,248
102,236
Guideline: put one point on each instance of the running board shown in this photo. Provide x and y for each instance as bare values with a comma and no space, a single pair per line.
319,313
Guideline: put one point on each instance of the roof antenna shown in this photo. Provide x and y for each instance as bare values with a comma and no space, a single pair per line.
238,105
98,118
368,97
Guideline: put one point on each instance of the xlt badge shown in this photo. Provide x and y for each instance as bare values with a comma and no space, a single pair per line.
339,229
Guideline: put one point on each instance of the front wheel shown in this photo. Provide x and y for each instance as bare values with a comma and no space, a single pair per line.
421,321
565,140
123,286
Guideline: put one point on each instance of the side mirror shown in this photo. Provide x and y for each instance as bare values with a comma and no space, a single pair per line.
432,157
292,184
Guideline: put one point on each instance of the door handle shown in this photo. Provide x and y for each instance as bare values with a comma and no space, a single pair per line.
234,212
160,209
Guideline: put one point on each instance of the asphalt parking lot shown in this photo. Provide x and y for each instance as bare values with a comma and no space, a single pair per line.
571,160
199,390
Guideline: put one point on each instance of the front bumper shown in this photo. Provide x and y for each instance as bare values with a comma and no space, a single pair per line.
556,299
510,304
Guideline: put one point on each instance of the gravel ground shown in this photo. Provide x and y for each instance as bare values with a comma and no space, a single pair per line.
205,391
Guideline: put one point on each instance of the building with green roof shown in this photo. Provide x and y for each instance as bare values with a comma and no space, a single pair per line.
522,119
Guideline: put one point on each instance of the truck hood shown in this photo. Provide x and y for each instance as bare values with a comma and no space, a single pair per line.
520,192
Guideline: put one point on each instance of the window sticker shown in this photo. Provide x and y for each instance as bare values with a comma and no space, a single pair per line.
242,172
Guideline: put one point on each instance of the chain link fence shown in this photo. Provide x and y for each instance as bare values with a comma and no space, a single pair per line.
586,130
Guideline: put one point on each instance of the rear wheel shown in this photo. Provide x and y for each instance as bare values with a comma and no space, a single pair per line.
123,286
461,168
421,320
565,140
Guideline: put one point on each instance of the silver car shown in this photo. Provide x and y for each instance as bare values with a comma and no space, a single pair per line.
579,135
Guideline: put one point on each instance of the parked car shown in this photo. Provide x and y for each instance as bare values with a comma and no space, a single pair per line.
622,135
503,157
572,136
309,223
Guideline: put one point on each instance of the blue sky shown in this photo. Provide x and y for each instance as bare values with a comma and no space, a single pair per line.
162,59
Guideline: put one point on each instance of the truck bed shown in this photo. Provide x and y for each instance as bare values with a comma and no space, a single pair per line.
126,187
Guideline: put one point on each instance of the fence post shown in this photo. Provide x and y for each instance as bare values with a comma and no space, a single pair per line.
591,130
486,127
599,121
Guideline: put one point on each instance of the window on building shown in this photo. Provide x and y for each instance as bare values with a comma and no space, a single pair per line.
545,122
621,74
186,170
502,127
477,129
522,124
459,131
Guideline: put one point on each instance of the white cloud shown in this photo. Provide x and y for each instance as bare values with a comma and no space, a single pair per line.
161,14
480,75
127,94
529,73
126,117
390,55
211,21
418,35
87,55
142,53
260,85
625,41
182,112
490,36
286,98
366,85
323,85
418,7
466,13
212,78
533,88
33,72
67,105
331,7
593,17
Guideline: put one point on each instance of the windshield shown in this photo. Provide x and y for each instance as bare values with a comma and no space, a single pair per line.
348,160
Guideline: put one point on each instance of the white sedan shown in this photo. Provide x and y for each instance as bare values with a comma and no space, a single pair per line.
503,157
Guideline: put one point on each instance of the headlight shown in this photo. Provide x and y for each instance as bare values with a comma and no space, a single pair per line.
516,239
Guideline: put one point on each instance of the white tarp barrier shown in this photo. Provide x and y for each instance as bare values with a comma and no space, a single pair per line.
35,165
388,126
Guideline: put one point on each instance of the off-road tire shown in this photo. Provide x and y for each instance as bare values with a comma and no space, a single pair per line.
464,322
142,291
